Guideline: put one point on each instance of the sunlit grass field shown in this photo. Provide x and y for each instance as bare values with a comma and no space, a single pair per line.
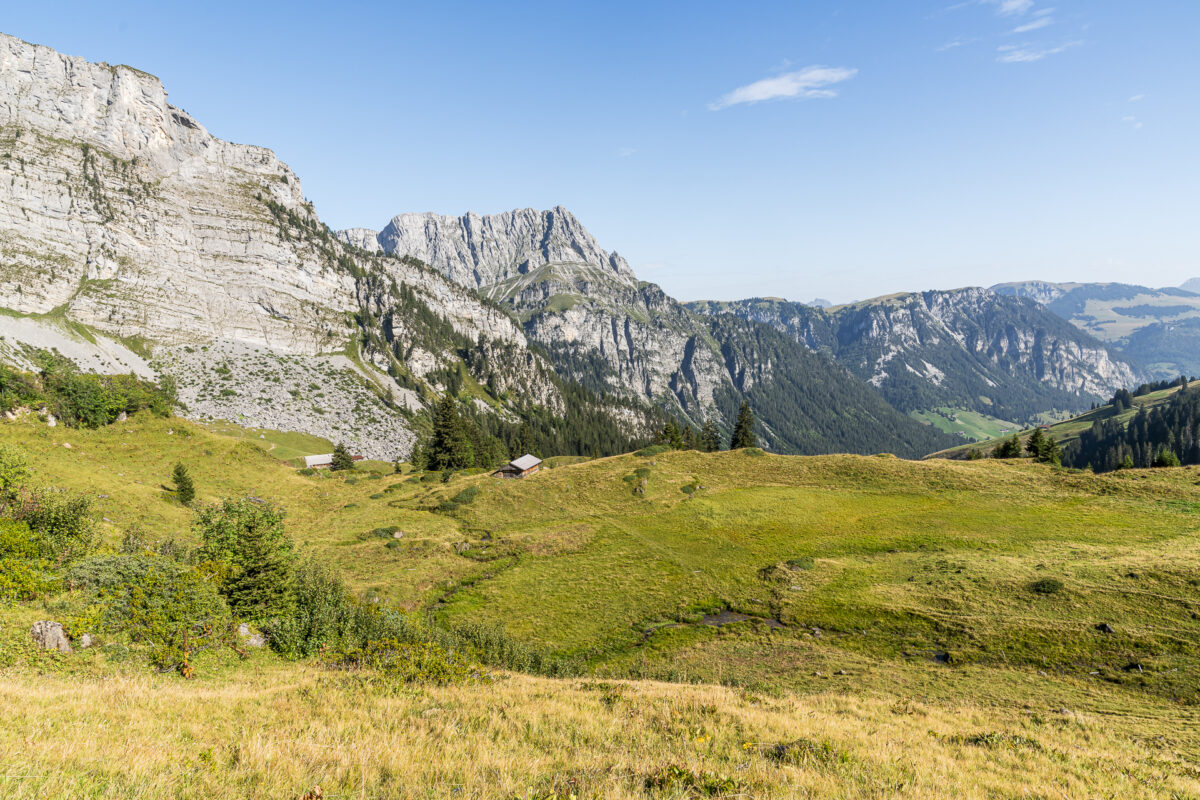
886,610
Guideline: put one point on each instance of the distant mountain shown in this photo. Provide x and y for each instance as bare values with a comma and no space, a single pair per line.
972,349
1156,328
1192,285
606,330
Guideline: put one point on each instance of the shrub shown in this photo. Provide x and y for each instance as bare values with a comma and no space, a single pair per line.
23,579
803,562
17,540
176,614
1046,586
652,450
419,662
110,572
62,523
14,471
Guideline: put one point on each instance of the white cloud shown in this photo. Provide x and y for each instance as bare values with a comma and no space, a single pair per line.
625,152
1037,24
1137,98
959,42
810,82
1027,54
1008,8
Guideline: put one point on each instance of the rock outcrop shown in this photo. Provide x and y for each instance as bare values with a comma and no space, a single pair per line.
49,635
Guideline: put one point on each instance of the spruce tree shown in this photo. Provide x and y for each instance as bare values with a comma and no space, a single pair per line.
248,536
1035,443
710,437
185,490
341,458
450,448
743,431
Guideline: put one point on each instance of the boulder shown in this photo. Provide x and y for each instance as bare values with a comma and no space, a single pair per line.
49,635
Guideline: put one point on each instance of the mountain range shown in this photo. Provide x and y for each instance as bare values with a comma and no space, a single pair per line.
1158,329
131,239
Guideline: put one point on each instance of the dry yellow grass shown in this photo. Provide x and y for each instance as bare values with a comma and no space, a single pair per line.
273,730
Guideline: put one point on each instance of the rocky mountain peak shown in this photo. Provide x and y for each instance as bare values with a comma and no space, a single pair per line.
482,250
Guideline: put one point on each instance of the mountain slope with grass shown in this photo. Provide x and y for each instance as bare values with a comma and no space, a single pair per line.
1008,624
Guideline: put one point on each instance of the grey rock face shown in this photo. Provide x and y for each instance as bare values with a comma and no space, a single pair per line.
482,251
49,635
123,210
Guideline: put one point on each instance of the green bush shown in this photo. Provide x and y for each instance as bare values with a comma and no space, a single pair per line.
110,572
174,615
17,540
62,523
24,579
14,471
419,662
1046,586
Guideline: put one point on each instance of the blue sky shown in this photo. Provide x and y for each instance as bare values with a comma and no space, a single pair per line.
797,149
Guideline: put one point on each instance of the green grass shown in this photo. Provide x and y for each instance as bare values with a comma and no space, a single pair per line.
1069,429
885,576
972,424
289,446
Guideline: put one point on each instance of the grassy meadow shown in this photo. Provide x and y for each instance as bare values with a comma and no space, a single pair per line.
744,624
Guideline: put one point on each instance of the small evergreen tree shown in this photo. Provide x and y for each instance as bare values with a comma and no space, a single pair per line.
1009,448
1035,443
710,437
247,536
670,436
743,431
185,490
341,458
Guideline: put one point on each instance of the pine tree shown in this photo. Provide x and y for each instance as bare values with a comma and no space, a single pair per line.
450,448
262,587
1035,443
1009,448
341,458
710,437
248,535
185,490
743,431
670,436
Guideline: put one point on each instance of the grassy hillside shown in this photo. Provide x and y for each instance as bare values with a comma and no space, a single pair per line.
920,628
1068,430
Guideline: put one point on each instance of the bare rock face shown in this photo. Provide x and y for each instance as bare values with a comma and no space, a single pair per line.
123,212
49,635
126,210
482,251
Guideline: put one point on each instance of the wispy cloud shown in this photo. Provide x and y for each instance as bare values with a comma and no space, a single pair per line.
1027,54
959,42
1034,25
1009,8
808,83
625,152
1137,98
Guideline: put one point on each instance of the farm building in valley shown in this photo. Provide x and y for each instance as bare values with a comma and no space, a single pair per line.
323,461
521,467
